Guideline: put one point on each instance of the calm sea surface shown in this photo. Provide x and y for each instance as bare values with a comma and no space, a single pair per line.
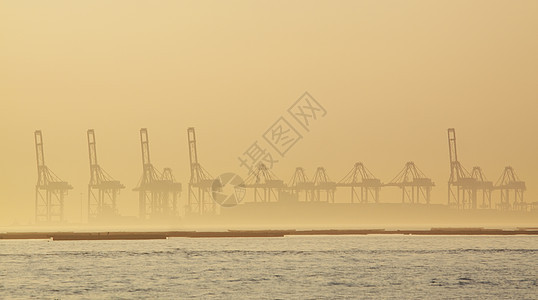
311,267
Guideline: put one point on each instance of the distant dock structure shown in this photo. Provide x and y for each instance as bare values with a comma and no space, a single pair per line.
511,187
360,179
464,187
50,190
158,192
323,186
484,187
300,187
413,183
103,190
265,185
200,201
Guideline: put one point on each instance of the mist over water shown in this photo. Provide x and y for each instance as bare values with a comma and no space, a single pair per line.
318,89
391,76
314,267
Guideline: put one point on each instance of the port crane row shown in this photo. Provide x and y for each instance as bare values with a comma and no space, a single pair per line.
159,192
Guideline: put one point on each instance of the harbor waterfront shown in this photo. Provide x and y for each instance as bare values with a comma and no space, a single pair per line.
155,235
356,149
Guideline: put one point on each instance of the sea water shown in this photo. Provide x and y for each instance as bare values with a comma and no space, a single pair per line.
293,267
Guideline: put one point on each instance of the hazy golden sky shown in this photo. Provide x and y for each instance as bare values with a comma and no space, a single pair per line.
392,75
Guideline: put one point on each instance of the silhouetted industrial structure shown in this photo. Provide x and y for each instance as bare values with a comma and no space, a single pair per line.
199,199
158,192
265,184
462,187
509,184
361,179
50,190
323,186
482,185
413,184
300,186
102,189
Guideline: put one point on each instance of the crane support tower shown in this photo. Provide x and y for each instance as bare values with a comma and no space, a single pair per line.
361,179
103,190
199,199
413,183
158,192
510,185
462,187
50,190
300,186
323,185
483,187
265,184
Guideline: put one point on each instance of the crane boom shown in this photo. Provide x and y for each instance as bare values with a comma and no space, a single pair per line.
452,145
193,153
144,141
92,152
40,157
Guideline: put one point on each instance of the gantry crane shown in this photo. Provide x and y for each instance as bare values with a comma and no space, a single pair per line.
299,184
199,200
322,184
158,192
174,189
264,183
482,184
50,190
461,186
102,189
413,184
359,178
507,183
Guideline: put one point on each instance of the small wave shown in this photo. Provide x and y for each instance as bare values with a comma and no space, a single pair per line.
338,283
435,282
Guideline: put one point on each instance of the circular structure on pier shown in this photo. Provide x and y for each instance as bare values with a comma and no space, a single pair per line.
228,189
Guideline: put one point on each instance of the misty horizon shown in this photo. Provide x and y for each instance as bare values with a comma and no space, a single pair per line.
390,90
